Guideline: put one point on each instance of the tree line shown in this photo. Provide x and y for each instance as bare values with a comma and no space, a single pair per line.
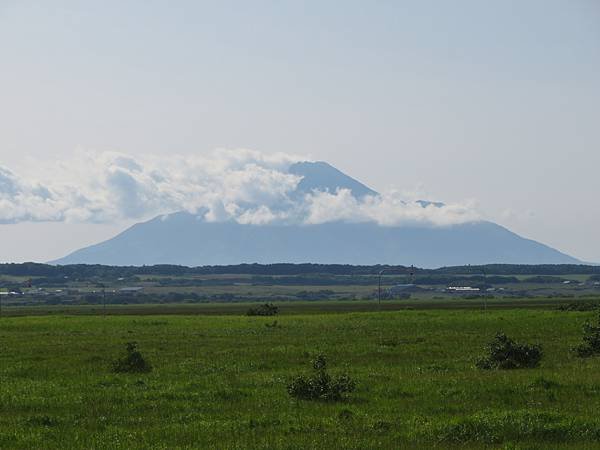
87,271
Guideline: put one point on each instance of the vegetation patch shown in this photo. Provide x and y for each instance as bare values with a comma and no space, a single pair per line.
381,426
591,341
42,421
320,385
579,306
389,343
492,427
345,414
132,362
273,324
268,309
504,353
544,383
229,395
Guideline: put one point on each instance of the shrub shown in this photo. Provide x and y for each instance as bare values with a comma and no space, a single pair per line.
579,306
504,353
320,385
591,341
268,309
132,362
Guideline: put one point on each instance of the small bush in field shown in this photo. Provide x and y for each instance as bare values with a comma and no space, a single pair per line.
132,362
320,385
579,306
268,309
504,353
591,341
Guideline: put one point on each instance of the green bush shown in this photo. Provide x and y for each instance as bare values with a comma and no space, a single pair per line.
320,385
268,309
132,362
579,306
504,353
591,341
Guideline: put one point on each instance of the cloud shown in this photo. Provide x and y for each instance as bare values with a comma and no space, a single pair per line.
388,209
247,186
23,201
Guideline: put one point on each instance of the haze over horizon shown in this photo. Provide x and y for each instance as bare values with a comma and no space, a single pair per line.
490,108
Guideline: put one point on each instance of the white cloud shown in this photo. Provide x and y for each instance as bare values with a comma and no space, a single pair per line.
242,185
388,209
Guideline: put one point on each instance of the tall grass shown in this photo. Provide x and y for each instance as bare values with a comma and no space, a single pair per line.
220,382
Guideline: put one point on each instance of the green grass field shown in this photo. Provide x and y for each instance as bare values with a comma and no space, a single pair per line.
219,381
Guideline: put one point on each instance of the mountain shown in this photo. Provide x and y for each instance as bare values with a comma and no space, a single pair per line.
321,176
187,239
181,238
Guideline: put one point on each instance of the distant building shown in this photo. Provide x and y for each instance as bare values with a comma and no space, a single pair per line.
463,289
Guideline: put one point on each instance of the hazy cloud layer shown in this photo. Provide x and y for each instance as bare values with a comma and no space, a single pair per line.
243,185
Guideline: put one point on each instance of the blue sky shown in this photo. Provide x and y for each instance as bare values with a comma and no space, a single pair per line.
495,102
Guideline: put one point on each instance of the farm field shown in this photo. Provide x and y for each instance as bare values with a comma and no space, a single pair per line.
219,379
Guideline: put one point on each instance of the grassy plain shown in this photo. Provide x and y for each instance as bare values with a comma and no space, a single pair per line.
219,379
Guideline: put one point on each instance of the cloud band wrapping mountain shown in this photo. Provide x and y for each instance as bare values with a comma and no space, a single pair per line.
245,186
285,211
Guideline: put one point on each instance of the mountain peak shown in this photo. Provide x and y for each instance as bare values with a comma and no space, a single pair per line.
321,176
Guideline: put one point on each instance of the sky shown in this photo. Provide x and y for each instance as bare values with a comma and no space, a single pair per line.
116,111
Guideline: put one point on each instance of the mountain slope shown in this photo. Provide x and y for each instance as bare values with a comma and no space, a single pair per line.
321,176
181,238
187,239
